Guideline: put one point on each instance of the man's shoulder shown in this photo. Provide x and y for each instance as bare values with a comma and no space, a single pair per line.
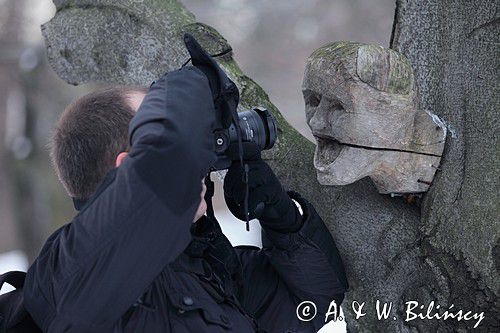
55,236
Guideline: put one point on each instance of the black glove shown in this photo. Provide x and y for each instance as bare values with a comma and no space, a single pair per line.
267,200
224,91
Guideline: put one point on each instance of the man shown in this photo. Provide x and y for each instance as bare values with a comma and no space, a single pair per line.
132,260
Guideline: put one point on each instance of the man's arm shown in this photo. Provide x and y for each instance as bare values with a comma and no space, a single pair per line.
311,252
292,268
299,260
138,220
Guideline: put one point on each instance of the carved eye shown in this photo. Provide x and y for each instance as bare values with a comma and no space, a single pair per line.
311,98
335,105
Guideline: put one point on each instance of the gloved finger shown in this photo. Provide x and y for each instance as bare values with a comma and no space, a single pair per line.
259,174
257,194
251,151
211,75
257,200
234,176
234,208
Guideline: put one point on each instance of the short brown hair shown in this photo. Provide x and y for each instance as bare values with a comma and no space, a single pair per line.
91,132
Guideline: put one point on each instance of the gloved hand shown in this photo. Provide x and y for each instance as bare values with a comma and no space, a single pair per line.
224,91
267,200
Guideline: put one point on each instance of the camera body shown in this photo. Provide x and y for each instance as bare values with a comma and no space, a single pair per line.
256,125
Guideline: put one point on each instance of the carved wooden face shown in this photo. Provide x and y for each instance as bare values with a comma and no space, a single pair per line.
361,107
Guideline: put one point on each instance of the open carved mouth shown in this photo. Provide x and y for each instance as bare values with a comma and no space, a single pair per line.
328,149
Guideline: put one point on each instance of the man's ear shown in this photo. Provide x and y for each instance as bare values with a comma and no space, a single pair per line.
119,159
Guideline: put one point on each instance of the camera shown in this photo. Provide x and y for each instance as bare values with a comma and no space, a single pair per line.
256,125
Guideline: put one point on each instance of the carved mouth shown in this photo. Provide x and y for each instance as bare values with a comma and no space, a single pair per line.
327,151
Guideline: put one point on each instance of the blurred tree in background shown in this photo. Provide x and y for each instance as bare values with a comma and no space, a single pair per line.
32,203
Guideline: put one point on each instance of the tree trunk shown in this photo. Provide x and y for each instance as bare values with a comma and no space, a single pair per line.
454,49
388,251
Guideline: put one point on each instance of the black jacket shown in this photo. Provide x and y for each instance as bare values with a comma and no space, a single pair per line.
132,260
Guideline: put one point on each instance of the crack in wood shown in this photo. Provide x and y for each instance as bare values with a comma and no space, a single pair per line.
373,148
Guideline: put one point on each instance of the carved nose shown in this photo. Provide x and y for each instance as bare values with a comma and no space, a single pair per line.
324,118
317,122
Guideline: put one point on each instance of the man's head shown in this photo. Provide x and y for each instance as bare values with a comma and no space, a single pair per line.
89,136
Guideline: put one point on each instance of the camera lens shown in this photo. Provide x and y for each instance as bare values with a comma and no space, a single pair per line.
256,126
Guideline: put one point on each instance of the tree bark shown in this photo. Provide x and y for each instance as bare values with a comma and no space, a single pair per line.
453,47
382,240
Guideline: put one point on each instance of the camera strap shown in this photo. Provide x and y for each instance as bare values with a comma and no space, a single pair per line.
245,181
226,98
208,197
244,166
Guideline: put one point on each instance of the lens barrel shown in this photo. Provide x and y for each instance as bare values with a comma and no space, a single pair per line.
258,126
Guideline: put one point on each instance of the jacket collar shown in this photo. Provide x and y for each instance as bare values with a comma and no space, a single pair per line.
78,203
